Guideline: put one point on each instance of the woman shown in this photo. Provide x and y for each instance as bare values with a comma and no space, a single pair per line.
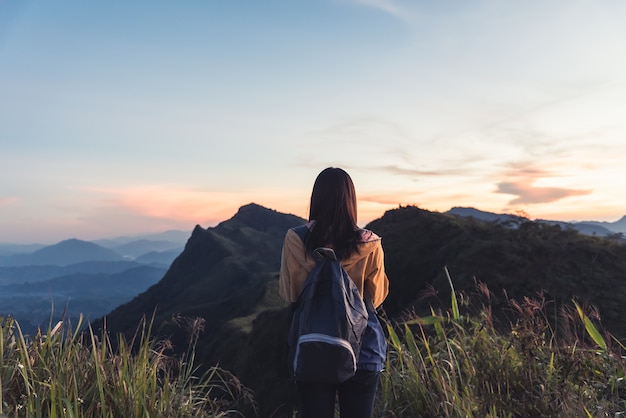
332,223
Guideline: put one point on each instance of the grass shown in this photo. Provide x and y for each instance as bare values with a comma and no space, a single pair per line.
447,365
72,373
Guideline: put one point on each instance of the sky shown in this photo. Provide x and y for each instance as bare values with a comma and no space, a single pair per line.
130,117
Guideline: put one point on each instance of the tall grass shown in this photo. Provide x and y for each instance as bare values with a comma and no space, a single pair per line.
447,365
65,372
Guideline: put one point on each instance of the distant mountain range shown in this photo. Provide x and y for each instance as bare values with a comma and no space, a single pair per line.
11,249
22,274
596,228
172,236
161,248
37,304
66,252
617,226
75,276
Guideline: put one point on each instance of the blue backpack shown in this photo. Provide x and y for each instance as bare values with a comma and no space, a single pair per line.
328,322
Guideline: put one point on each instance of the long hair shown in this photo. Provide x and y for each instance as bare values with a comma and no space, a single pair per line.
333,208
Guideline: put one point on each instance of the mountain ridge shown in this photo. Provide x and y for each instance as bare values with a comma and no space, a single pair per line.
233,253
602,229
227,275
178,237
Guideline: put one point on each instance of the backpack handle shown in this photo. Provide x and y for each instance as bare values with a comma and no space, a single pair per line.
325,252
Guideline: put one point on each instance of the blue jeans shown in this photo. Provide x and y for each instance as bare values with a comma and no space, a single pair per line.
356,397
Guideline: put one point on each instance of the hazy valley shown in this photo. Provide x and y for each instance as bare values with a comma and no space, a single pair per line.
41,284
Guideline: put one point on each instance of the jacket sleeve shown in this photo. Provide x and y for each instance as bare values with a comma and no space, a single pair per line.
284,279
292,272
376,280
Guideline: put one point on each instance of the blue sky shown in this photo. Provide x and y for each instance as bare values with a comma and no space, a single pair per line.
118,118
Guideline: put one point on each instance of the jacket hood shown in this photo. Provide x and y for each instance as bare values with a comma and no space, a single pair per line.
368,243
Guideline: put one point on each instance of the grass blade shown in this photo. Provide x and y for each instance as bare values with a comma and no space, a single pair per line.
591,329
455,305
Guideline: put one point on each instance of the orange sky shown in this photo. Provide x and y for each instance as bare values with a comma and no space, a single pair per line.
181,114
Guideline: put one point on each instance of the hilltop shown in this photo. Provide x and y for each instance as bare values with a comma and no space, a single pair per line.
227,275
514,263
64,253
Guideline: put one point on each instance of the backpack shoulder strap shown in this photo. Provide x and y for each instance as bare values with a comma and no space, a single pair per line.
302,231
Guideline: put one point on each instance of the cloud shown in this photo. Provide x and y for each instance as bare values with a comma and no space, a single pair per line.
179,204
395,199
528,194
8,201
416,172
387,6
169,202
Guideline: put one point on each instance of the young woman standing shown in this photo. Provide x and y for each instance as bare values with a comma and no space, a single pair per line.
332,223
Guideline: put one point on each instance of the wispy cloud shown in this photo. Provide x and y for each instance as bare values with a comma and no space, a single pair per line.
8,201
390,199
415,173
389,6
520,180
392,7
527,193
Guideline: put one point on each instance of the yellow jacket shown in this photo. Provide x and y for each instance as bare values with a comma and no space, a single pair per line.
366,267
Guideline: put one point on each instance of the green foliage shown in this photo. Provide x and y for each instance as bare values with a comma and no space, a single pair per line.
521,261
454,301
443,365
67,373
591,328
450,366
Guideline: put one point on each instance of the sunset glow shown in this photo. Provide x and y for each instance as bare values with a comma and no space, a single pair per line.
120,118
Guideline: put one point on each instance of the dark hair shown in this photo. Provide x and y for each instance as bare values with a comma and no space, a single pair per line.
333,208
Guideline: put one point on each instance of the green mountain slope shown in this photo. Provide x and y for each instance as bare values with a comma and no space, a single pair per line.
522,261
222,274
227,275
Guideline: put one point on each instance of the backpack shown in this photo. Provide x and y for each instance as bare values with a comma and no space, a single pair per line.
328,322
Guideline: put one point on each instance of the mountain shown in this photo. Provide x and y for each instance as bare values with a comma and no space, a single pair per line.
601,229
78,285
522,262
163,258
227,275
11,249
221,274
505,219
21,274
587,228
615,227
35,304
141,247
66,252
174,236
